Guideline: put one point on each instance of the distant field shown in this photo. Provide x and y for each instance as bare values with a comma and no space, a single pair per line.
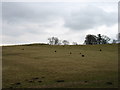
45,66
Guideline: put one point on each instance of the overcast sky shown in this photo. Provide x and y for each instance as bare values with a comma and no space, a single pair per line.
35,22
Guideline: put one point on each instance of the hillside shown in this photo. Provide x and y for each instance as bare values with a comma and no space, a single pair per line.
47,66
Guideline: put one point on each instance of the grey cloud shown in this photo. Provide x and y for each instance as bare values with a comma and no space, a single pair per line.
29,12
32,19
44,13
90,17
18,16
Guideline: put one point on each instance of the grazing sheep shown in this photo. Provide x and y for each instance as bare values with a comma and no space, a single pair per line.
17,83
30,81
60,81
35,78
39,81
83,55
86,81
109,83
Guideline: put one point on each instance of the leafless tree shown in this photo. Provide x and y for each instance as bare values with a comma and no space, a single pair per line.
65,42
53,41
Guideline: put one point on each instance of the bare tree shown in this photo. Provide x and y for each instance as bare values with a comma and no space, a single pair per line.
56,40
105,39
53,41
65,42
50,41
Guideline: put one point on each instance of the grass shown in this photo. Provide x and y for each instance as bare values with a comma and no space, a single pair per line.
97,69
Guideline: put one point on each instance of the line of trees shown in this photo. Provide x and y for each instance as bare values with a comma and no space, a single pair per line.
89,40
99,39
56,41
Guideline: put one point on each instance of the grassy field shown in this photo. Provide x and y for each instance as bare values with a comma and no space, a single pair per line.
45,66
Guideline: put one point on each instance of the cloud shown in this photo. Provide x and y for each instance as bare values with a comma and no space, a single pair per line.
29,12
25,22
90,17
44,13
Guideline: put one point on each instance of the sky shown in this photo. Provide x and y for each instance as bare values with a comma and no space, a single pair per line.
35,22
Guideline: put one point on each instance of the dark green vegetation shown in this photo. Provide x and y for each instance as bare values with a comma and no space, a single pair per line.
45,66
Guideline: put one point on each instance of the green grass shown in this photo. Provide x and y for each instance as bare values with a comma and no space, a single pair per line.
96,68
